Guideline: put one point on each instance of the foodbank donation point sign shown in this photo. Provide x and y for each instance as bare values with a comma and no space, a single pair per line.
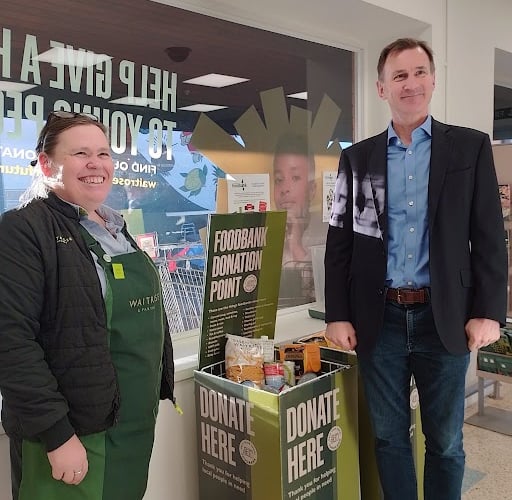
296,445
243,269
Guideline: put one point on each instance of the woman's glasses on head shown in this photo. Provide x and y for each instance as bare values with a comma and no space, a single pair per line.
70,114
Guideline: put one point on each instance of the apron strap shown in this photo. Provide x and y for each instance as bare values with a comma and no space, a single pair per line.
94,246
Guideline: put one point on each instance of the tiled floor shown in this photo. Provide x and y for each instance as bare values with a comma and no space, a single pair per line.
488,455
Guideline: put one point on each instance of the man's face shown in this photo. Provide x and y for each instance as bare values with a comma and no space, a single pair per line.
292,187
407,84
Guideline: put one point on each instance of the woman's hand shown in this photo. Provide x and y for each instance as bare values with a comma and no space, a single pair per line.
69,461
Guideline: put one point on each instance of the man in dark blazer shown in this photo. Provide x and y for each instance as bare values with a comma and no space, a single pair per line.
416,271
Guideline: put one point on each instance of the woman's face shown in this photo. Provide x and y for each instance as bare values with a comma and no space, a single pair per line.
82,166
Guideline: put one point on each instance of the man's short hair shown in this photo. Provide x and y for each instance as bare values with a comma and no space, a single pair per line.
400,45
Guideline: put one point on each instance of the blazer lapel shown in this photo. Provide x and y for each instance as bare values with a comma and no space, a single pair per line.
440,156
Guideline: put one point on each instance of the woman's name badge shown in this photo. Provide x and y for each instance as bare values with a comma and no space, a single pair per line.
118,271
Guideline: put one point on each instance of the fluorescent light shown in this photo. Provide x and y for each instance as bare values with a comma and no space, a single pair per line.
15,87
204,108
299,95
71,57
134,101
216,80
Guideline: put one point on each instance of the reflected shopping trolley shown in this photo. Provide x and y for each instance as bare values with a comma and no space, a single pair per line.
297,284
183,291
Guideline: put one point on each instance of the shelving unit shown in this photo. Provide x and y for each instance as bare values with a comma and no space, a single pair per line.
489,417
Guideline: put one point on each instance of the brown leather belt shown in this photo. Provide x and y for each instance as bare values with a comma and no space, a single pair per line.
408,295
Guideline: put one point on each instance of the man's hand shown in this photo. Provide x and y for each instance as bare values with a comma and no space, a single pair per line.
342,334
69,461
481,332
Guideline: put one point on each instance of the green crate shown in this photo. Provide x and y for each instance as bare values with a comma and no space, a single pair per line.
487,361
503,365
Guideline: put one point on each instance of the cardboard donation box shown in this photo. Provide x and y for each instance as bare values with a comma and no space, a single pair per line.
298,444
295,444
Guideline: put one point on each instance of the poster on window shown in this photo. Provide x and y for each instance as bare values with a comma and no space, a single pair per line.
329,181
148,242
249,193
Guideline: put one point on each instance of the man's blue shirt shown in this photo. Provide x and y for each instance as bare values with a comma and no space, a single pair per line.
407,186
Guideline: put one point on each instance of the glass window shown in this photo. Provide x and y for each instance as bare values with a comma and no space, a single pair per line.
502,124
276,105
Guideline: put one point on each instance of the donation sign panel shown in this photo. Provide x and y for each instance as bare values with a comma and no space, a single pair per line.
242,279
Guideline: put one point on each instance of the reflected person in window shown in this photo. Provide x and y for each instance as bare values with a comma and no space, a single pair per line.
416,271
294,188
85,351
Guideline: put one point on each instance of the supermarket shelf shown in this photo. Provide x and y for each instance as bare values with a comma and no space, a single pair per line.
494,376
490,418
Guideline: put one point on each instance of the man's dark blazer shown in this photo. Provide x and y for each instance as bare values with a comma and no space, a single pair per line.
468,257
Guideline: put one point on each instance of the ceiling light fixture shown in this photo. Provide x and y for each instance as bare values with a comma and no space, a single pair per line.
71,57
216,80
6,86
203,108
299,95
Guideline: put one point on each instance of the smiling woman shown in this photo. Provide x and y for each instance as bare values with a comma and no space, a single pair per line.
67,373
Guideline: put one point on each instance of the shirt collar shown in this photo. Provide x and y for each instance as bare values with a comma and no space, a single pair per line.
426,126
113,219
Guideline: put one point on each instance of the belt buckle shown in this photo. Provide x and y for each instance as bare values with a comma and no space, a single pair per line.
398,296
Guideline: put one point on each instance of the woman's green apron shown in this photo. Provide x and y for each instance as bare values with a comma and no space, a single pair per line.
119,457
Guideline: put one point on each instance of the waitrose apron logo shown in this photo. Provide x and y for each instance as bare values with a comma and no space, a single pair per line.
146,303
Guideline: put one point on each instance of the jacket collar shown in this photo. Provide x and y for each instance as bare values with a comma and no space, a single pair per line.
65,208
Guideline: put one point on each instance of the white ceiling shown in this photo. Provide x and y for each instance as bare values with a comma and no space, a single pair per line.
350,24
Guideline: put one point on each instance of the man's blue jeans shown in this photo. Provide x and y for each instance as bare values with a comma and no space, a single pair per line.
409,345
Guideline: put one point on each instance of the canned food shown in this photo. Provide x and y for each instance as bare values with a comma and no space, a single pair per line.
289,372
274,374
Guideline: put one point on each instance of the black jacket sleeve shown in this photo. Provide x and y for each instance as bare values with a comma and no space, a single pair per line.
32,401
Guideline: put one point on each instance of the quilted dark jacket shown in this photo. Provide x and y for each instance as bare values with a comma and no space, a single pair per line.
56,373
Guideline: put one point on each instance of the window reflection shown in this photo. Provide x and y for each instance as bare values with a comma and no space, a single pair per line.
171,162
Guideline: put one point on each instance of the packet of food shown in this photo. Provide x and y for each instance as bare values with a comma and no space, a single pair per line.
244,359
305,356
268,348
